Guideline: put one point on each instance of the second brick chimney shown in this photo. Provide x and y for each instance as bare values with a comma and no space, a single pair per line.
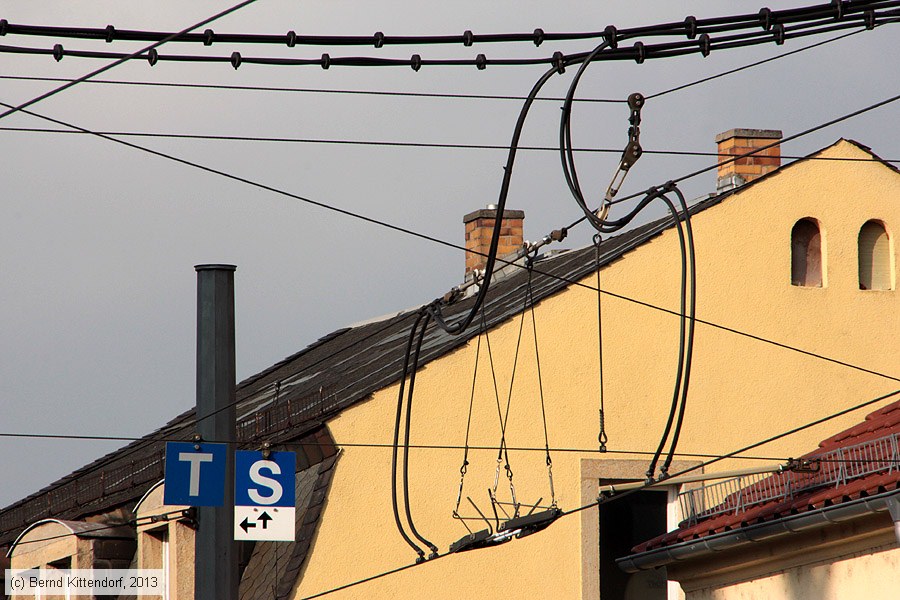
735,142
480,226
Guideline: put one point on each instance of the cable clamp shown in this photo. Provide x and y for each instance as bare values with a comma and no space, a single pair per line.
152,56
690,27
379,39
291,38
778,32
468,38
704,44
838,9
640,53
481,62
611,35
868,17
538,36
58,52
415,62
765,18
208,37
559,62
110,33
235,60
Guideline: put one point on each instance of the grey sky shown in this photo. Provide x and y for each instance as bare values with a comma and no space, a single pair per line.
98,242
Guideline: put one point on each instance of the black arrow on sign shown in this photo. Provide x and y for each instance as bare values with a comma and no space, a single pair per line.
246,524
265,518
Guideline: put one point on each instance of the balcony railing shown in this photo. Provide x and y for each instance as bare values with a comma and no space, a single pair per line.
833,468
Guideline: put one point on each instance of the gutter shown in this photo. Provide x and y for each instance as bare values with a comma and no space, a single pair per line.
726,540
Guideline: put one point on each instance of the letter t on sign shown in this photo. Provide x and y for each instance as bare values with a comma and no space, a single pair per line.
195,474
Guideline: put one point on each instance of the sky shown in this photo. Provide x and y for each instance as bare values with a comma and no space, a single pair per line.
98,242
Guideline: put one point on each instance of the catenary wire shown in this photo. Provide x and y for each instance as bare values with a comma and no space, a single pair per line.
433,94
372,445
398,144
125,57
691,26
640,52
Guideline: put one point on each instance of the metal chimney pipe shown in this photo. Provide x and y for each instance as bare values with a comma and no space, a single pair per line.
216,553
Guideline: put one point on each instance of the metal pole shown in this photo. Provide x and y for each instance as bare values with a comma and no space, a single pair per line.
216,555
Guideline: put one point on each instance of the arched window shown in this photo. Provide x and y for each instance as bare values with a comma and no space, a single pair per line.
806,254
875,272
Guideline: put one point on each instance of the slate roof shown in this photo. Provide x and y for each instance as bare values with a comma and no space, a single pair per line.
882,423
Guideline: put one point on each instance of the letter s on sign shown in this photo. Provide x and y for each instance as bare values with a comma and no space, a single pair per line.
260,479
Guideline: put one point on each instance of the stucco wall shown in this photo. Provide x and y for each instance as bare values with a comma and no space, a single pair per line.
871,575
742,390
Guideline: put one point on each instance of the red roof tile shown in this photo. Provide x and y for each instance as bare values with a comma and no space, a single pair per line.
878,424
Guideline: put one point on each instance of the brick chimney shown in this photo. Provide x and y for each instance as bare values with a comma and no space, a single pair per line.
480,226
735,142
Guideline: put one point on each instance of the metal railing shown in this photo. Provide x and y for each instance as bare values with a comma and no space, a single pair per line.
833,468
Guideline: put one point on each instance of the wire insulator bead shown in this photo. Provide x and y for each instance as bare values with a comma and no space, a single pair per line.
869,19
838,9
4,24
468,38
291,38
538,36
481,62
152,56
690,27
415,62
611,35
326,61
704,43
379,39
765,18
778,32
559,61
640,53
110,33
208,37
58,52
235,60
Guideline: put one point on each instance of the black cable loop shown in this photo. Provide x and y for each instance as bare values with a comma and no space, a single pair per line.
409,406
397,522
602,438
565,137
460,326
685,334
692,275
